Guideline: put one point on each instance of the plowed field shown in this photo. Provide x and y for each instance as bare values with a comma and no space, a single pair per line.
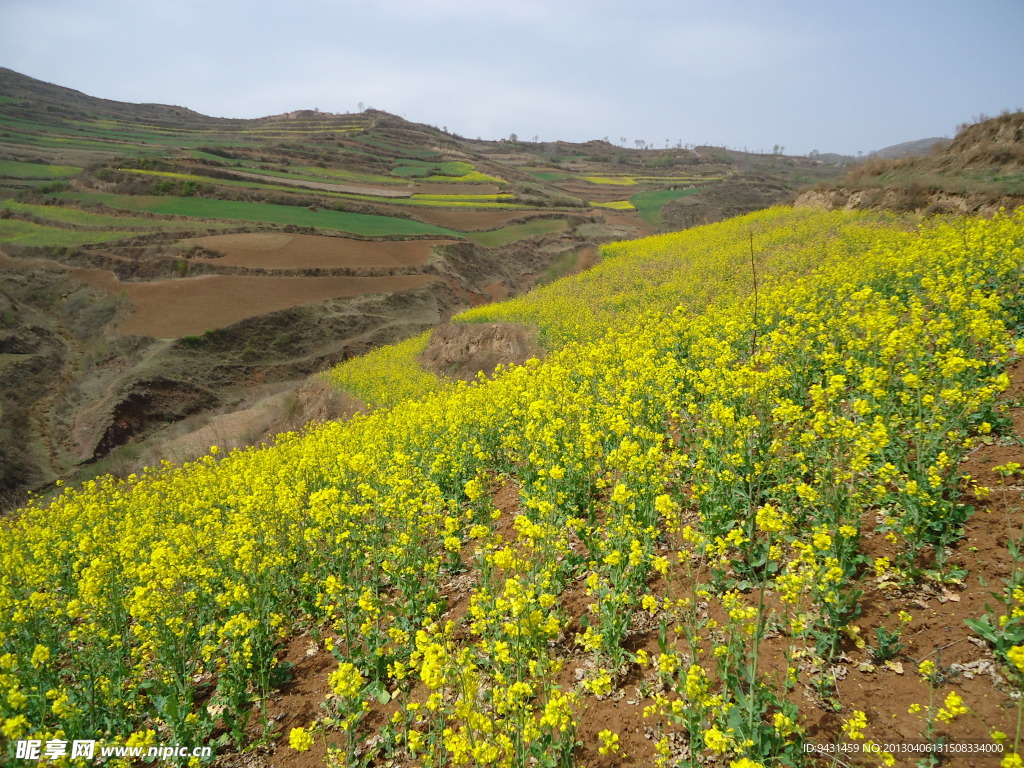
174,308
271,250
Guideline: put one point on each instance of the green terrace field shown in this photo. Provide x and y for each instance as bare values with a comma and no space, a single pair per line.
203,208
549,175
179,137
19,170
619,179
65,226
321,174
124,138
28,233
648,192
32,138
72,226
62,214
298,156
393,148
513,232
455,171
291,183
122,141
650,202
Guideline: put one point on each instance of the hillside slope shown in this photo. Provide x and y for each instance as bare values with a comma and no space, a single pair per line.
716,532
980,171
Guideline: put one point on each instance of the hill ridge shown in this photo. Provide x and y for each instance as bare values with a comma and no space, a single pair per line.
979,171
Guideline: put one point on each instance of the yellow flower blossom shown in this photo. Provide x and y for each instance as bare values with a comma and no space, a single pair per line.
300,739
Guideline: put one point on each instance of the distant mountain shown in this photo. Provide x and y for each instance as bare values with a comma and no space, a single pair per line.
917,148
29,93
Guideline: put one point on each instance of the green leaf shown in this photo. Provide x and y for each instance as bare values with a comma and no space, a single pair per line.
378,690
984,629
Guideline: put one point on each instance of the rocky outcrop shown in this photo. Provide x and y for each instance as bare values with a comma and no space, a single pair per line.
462,350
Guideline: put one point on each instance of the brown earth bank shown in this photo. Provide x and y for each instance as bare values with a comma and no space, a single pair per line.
733,196
233,387
459,188
629,222
263,413
74,389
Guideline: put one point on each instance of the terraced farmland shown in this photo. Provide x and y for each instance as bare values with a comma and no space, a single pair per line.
159,262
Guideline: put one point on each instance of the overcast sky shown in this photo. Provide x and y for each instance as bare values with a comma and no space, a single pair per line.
816,74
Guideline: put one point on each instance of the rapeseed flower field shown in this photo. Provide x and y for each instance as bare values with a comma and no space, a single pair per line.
699,468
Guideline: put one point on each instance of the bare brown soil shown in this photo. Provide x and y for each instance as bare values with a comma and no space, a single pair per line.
598,193
497,291
629,222
170,309
907,199
279,250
